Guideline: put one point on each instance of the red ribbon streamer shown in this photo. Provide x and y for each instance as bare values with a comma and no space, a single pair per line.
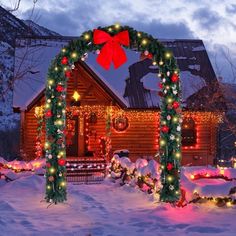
112,50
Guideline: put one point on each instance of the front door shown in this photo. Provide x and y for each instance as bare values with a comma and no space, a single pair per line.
72,129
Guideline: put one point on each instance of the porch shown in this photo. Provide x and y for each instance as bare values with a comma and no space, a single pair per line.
86,169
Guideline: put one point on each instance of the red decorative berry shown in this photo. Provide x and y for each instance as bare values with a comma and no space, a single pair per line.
146,54
165,129
150,56
174,78
64,61
48,165
59,88
61,162
48,114
175,105
160,85
169,166
68,74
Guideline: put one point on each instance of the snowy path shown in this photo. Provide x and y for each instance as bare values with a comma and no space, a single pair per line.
103,210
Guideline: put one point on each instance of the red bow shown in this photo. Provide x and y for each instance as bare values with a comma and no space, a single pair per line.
112,50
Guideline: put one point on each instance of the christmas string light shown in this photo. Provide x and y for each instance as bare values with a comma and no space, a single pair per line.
39,114
218,201
210,176
56,110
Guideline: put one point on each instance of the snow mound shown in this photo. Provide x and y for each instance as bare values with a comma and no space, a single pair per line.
210,170
126,163
13,175
35,165
154,168
31,182
141,163
207,187
116,158
2,160
142,166
148,168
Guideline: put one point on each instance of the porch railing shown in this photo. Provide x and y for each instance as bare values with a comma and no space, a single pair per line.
86,170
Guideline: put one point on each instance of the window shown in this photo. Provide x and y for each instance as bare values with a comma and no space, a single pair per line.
189,132
92,118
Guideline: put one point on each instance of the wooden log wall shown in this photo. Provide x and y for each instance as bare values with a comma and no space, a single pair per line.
141,137
96,131
29,129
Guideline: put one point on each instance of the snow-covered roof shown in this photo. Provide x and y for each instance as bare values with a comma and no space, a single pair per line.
33,57
39,30
32,60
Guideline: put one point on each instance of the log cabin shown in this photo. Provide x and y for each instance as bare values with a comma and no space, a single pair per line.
131,100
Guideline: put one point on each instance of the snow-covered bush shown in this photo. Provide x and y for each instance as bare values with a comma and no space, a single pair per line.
15,169
215,183
144,174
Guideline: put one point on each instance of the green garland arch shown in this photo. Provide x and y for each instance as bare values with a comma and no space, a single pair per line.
55,109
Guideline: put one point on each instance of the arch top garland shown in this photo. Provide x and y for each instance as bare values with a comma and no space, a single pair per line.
108,43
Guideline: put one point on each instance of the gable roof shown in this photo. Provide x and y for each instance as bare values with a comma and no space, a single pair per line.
196,73
33,56
118,100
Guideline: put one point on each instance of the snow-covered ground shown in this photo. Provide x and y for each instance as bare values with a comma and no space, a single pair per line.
103,209
108,208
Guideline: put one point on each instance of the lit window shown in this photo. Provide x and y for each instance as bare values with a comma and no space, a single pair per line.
93,118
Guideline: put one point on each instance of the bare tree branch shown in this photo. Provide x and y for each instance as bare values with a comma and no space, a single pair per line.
17,6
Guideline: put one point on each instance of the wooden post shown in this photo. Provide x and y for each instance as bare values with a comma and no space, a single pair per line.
22,135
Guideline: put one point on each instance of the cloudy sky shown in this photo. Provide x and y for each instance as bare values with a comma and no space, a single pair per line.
212,21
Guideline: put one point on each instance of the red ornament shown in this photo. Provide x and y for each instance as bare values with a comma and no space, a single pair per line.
48,114
150,56
112,50
145,55
160,94
68,74
175,105
59,88
174,78
160,85
50,178
64,61
61,162
48,165
165,129
169,166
